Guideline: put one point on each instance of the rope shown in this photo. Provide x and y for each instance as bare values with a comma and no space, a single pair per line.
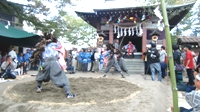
115,24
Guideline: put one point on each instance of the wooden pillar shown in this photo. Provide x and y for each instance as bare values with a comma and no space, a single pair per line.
144,39
164,42
98,27
111,33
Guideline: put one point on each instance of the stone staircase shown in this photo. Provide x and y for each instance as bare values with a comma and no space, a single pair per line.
135,66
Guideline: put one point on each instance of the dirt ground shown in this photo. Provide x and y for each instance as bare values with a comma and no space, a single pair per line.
94,94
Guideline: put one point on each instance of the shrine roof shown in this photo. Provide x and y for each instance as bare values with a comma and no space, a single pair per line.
188,40
134,8
175,13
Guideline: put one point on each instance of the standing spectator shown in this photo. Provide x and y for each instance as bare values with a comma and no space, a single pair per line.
96,61
69,64
154,61
13,54
116,44
146,64
89,53
80,60
194,59
101,61
85,61
0,57
189,64
27,57
31,51
177,58
74,58
198,58
8,68
163,64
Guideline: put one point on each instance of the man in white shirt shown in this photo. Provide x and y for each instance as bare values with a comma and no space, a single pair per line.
74,58
13,54
96,61
163,64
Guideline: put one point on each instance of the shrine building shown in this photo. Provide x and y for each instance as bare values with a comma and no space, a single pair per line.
133,24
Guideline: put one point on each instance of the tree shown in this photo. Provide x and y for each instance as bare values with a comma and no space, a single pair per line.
188,22
65,25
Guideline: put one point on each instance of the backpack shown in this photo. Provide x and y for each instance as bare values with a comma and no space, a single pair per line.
177,56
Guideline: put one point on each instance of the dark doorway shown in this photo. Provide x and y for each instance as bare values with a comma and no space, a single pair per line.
137,41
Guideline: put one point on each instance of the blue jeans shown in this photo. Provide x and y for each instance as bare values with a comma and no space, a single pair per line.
70,68
182,109
156,67
9,75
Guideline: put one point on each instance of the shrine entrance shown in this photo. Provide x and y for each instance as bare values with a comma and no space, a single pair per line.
137,41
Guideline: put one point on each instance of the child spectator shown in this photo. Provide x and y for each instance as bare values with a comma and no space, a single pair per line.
25,68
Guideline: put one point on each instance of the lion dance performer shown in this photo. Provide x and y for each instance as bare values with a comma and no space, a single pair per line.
112,60
120,59
51,54
130,49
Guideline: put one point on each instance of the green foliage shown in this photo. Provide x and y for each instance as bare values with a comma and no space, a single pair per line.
65,25
188,21
174,39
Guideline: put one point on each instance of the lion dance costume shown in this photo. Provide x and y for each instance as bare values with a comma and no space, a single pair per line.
52,65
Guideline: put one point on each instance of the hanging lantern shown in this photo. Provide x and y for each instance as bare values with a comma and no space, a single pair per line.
119,19
109,20
125,18
135,18
131,18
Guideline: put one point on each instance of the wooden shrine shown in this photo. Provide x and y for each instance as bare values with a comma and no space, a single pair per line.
133,24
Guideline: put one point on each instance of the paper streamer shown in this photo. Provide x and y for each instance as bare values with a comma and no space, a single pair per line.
118,34
125,32
132,31
137,30
121,32
115,30
129,31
